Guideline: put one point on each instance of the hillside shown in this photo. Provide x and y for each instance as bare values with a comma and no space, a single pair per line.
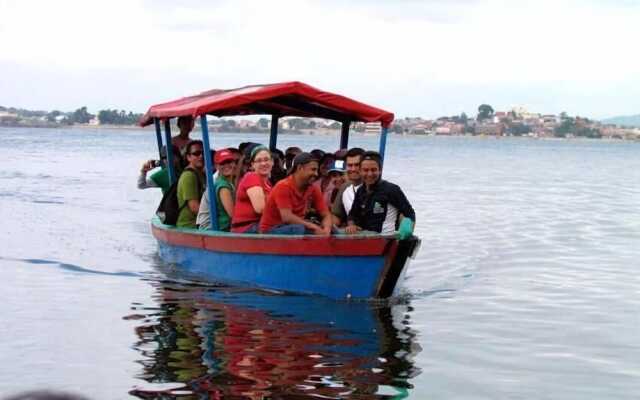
627,120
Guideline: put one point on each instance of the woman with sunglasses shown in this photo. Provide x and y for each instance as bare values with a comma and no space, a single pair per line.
191,185
225,163
252,192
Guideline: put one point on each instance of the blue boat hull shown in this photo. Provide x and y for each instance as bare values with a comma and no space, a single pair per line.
335,277
341,266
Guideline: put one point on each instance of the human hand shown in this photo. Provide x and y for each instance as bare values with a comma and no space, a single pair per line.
351,229
405,230
147,166
316,229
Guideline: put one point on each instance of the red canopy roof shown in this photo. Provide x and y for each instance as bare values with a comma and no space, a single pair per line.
282,99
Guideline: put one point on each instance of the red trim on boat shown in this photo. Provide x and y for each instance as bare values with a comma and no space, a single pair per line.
304,246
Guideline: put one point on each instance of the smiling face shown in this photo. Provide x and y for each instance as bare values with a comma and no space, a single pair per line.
195,156
353,169
370,172
227,168
262,163
307,173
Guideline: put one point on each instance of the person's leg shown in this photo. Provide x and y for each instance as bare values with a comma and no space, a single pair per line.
252,229
287,229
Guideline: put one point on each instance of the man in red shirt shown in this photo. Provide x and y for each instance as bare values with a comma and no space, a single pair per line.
292,198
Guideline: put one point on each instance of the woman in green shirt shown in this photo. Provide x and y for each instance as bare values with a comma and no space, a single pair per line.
225,162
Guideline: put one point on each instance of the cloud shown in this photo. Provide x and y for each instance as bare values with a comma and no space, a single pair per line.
373,49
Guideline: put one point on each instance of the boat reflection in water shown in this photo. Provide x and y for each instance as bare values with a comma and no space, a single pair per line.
208,342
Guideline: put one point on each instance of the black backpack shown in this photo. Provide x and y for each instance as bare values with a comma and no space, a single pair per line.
168,210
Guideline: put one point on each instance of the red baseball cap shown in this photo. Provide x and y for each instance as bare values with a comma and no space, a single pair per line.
222,156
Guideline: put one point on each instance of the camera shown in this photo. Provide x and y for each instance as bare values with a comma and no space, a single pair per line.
156,163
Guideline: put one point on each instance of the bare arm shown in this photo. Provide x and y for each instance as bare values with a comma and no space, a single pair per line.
288,217
327,223
143,181
227,200
256,196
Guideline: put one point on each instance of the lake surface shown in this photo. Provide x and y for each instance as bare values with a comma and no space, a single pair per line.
526,285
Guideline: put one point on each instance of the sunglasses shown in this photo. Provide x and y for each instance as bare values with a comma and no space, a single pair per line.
196,153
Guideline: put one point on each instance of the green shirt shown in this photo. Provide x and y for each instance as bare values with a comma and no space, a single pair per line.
161,178
224,220
189,188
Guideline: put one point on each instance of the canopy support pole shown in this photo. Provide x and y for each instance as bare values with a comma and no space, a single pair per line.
383,142
273,137
170,164
156,122
344,135
208,168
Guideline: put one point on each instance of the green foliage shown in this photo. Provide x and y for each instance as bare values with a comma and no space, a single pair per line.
263,123
575,127
81,116
485,111
115,117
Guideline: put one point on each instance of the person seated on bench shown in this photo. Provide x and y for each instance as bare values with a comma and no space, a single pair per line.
379,205
292,197
252,192
225,162
191,185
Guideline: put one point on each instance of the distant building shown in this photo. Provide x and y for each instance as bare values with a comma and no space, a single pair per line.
372,128
490,129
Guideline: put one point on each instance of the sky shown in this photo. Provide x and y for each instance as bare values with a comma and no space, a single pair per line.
415,58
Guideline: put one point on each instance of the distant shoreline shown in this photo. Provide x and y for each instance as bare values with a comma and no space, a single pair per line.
328,132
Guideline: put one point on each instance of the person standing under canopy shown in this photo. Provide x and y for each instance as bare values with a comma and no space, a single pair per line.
185,125
292,198
378,204
191,185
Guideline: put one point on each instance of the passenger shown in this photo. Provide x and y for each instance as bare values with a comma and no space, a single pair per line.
323,168
237,155
225,162
159,178
341,154
185,125
344,198
317,154
191,185
378,203
278,172
336,181
245,164
290,200
252,192
289,154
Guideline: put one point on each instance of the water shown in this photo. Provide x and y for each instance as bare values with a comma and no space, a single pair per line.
525,286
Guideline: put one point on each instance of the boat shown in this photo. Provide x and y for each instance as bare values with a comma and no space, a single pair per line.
338,266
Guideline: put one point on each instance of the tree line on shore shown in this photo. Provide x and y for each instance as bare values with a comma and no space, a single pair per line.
79,116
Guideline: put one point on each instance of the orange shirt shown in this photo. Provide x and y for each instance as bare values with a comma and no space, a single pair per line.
286,195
